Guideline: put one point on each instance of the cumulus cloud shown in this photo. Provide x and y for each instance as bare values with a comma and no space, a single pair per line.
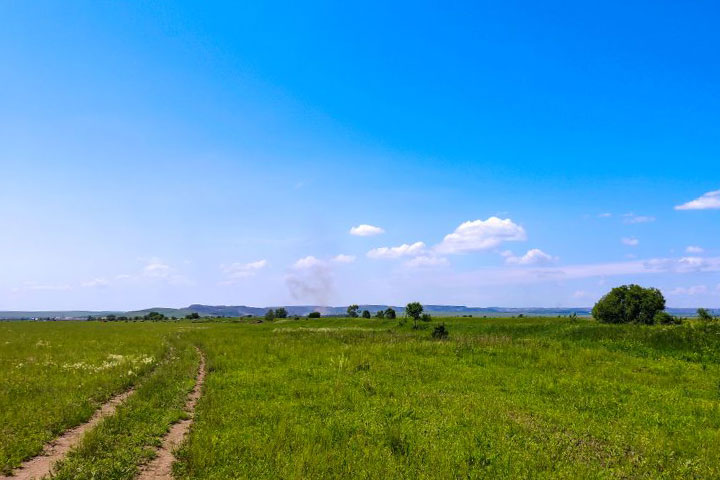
631,242
479,235
427,261
237,271
694,249
533,256
365,230
404,250
694,290
308,262
631,218
341,258
707,201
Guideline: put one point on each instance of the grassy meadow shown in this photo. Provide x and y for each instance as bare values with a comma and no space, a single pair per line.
355,398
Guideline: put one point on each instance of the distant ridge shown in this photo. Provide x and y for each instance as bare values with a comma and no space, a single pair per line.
243,310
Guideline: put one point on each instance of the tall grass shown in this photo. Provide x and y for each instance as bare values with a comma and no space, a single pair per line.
53,375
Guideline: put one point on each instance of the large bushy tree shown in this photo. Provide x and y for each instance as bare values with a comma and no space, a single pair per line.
352,311
629,304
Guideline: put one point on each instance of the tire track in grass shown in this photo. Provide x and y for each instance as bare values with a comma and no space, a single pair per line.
160,468
55,450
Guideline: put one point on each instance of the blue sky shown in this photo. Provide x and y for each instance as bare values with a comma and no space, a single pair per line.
168,154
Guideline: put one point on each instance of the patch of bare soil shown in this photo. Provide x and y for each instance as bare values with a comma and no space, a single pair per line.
41,465
160,468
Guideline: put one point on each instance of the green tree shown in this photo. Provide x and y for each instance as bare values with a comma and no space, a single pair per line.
366,314
352,311
390,313
192,316
270,315
704,315
380,314
629,304
281,313
154,317
414,310
314,315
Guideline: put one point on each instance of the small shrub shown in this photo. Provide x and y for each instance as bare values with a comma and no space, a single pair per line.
664,318
704,315
440,332
390,313
365,314
314,315
426,317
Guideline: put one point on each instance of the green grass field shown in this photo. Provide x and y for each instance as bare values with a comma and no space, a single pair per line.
342,398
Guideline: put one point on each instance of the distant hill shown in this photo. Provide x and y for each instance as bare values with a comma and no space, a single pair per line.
243,310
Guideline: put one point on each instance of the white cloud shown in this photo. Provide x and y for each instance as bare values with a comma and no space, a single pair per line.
427,261
403,250
631,218
684,264
694,290
631,242
308,262
39,287
707,201
365,230
156,269
96,283
236,271
519,276
533,256
481,235
605,215
694,249
341,258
